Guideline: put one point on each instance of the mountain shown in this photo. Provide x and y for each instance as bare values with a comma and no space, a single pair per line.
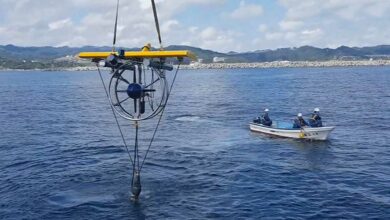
206,55
308,53
304,53
40,53
12,56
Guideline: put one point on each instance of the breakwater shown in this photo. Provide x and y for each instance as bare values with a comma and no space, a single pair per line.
282,64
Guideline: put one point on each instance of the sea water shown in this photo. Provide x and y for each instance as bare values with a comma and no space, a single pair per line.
61,156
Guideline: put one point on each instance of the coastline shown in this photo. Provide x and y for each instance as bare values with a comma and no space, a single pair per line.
289,64
273,64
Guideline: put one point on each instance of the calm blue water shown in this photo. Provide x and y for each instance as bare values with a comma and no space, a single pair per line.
62,157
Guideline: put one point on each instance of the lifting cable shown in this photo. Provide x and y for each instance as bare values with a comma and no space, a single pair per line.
115,26
160,117
136,155
136,161
113,112
156,23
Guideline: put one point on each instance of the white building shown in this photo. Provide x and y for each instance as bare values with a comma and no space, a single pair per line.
218,59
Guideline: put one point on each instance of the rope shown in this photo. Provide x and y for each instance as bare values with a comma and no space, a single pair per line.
113,112
159,119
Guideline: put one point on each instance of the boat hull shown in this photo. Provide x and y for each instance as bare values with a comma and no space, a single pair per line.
319,133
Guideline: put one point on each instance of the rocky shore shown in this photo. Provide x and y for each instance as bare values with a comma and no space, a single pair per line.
284,64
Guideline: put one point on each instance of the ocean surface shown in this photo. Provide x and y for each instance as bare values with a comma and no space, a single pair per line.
61,156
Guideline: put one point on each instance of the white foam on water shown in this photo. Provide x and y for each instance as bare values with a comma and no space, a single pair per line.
188,118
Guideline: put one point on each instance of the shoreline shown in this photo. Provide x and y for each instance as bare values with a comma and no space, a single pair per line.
289,64
260,65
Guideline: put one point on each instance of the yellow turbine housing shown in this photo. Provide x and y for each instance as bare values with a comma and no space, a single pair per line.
144,53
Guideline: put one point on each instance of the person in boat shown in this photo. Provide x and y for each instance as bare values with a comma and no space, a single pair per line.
265,119
315,120
299,122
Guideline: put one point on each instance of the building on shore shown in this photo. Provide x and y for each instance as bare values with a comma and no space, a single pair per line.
218,59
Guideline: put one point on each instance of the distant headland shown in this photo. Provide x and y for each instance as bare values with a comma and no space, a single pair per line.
64,58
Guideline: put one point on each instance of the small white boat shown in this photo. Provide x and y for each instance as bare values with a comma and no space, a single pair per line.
283,129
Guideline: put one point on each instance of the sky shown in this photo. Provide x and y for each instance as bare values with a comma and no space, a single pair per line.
220,25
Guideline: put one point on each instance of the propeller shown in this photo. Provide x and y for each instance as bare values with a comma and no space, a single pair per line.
143,90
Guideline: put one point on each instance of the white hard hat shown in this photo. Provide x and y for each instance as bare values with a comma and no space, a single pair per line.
316,109
266,110
299,114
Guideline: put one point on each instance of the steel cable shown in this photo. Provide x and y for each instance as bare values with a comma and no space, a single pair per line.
116,119
159,119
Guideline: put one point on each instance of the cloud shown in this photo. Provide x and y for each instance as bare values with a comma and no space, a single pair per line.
312,33
60,24
274,36
246,11
290,36
346,9
41,23
217,39
193,29
213,24
290,25
263,28
331,22
169,25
